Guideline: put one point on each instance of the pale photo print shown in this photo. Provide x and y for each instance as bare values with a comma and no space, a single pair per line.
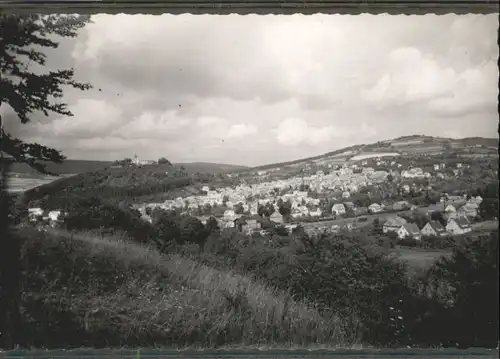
261,182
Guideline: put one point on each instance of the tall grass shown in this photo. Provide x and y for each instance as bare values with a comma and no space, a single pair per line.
86,290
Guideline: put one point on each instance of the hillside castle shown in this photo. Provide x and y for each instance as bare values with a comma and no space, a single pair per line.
136,161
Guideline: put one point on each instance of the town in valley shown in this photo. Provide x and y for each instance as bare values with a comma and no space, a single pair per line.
186,182
413,188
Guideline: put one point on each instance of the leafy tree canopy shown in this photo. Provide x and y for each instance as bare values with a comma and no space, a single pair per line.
28,92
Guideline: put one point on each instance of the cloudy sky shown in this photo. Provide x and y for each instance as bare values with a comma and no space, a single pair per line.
256,89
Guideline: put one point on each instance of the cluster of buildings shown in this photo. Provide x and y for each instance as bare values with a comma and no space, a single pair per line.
403,229
250,197
458,221
343,180
239,205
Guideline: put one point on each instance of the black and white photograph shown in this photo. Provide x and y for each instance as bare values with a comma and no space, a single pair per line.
265,182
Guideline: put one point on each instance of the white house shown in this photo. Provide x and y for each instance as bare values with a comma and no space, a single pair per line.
54,215
229,214
401,205
147,218
469,210
316,213
34,213
459,225
433,228
450,208
338,209
409,230
477,200
276,217
374,208
393,224
346,194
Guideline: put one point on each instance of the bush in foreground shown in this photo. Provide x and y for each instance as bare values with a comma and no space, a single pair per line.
459,296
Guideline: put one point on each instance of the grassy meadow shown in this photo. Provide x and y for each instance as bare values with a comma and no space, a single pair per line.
26,182
109,291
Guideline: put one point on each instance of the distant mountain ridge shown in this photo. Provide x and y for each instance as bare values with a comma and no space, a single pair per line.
404,145
71,166
412,144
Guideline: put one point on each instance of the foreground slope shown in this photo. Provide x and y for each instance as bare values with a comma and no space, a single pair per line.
108,292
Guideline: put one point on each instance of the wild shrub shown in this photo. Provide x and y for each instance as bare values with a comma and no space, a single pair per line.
467,284
94,214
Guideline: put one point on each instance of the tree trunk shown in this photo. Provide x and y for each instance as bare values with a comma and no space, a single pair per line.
10,270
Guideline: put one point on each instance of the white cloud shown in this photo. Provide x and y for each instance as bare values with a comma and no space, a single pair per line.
417,78
207,121
241,130
476,90
153,125
91,118
107,144
182,86
295,131
411,77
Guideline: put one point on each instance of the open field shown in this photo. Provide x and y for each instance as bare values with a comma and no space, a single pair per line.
365,156
24,183
418,258
409,144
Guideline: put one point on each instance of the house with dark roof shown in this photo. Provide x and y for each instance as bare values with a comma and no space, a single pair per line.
469,210
457,226
276,217
361,210
433,229
409,230
393,224
400,205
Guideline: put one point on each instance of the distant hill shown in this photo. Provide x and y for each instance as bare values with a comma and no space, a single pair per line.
155,183
67,167
128,184
405,145
70,166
